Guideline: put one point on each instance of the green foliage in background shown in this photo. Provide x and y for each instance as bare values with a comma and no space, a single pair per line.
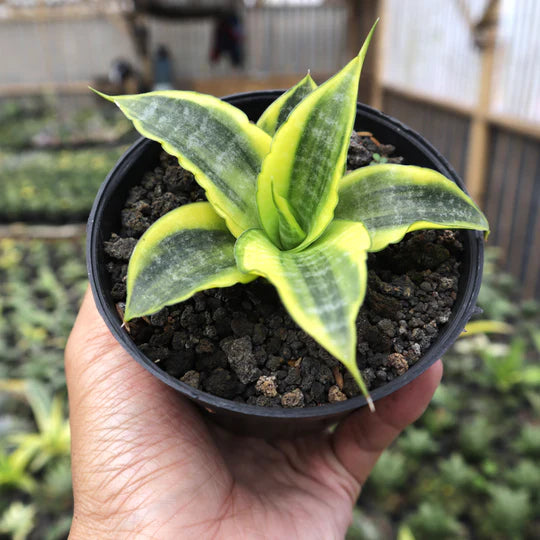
52,186
37,121
41,285
46,185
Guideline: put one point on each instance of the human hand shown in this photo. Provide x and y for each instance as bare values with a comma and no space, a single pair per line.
147,465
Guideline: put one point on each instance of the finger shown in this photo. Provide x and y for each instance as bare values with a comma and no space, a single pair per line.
360,439
98,368
127,426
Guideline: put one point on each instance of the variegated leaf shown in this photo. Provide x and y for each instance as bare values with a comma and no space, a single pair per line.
210,138
272,118
391,200
322,287
189,249
307,159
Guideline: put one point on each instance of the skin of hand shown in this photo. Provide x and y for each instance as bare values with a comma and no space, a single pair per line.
147,465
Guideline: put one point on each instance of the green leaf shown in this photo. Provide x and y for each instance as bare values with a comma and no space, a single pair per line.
272,118
289,228
18,520
486,327
187,250
308,157
210,138
392,200
322,287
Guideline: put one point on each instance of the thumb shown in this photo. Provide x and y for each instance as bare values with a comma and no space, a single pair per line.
362,437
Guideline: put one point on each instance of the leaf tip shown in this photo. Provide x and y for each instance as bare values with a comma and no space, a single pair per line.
128,310
367,41
355,372
101,94
311,82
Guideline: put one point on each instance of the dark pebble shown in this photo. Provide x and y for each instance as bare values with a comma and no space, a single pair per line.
259,334
119,291
159,318
241,359
241,327
209,362
120,248
178,364
222,383
274,362
193,378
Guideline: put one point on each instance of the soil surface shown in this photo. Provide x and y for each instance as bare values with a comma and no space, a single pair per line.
240,343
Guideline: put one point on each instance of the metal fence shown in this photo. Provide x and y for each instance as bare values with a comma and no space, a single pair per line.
430,50
294,39
481,108
446,130
512,201
516,77
59,51
63,51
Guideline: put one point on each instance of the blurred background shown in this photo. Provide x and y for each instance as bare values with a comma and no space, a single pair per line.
464,73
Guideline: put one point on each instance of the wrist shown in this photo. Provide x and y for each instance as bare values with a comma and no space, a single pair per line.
83,528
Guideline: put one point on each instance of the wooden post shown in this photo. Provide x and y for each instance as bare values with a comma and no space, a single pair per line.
377,94
475,172
138,31
360,18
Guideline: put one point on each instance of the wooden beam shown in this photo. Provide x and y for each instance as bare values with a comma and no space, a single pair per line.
376,99
222,86
477,154
426,99
177,12
360,18
509,123
139,35
515,124
21,232
59,13
74,87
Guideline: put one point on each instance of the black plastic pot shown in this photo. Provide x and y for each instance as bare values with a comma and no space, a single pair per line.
249,419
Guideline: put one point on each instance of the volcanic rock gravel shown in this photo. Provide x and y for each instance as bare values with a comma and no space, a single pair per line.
240,343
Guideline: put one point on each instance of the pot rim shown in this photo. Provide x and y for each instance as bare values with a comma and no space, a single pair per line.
447,335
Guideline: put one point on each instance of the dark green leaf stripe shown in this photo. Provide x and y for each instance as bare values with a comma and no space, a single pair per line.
212,139
279,110
187,250
320,153
308,155
391,200
322,287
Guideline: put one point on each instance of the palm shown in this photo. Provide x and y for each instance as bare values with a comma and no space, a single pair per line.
145,462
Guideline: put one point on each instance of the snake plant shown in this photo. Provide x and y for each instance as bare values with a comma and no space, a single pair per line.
279,205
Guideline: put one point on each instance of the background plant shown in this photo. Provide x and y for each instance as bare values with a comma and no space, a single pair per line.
41,284
52,186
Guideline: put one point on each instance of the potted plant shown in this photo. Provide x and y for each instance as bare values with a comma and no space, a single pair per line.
280,207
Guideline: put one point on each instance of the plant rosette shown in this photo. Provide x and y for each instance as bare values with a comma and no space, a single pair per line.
280,208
